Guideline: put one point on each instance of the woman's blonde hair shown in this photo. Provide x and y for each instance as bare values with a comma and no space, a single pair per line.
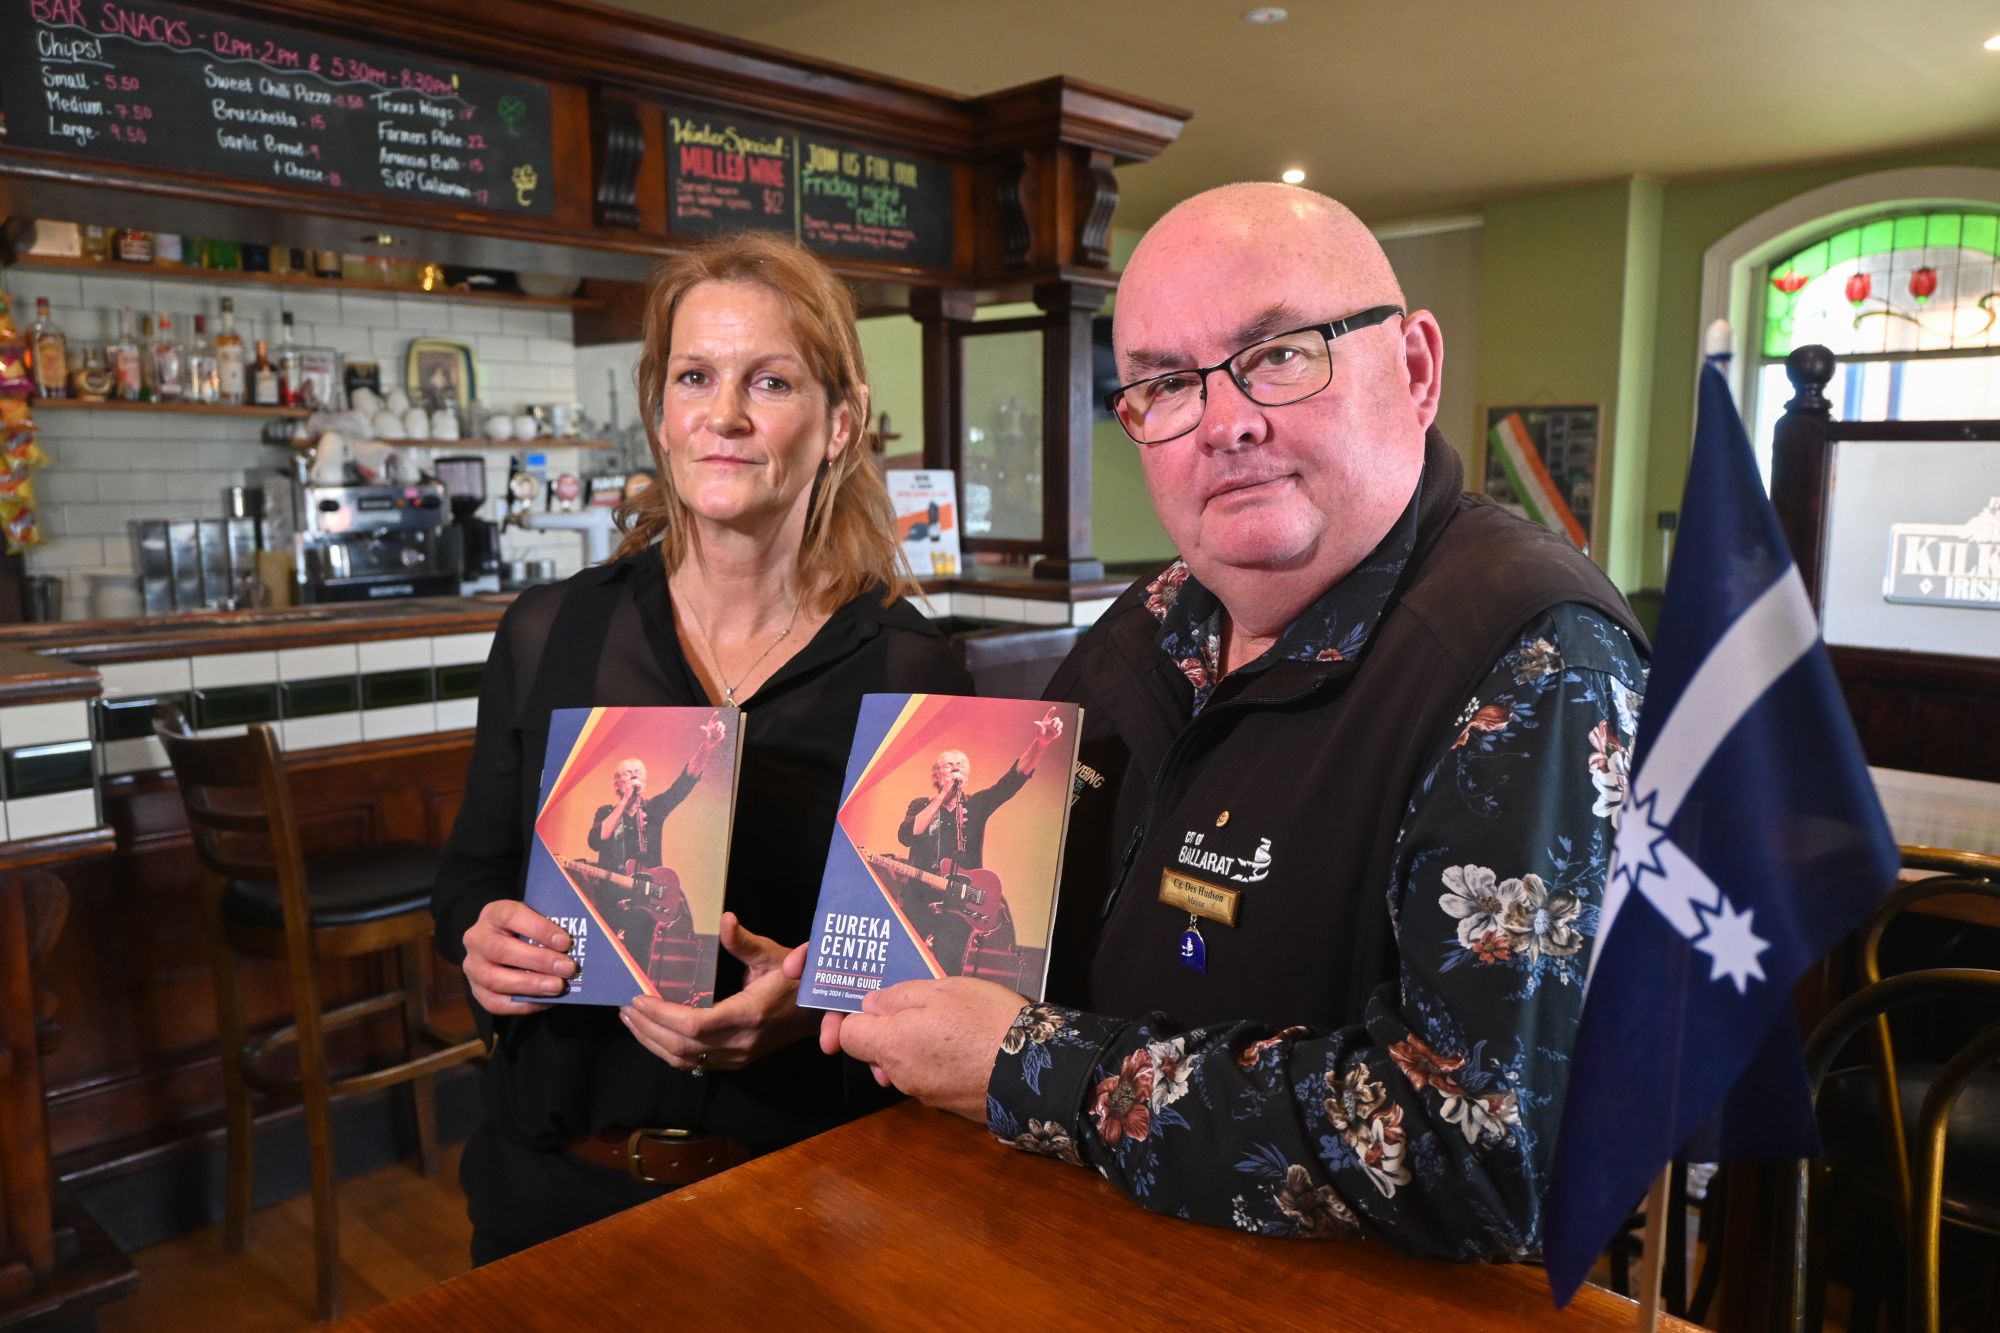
850,544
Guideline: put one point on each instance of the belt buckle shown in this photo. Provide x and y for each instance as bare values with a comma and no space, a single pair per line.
634,1164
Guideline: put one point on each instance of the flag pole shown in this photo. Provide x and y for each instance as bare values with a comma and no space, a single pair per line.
1652,1249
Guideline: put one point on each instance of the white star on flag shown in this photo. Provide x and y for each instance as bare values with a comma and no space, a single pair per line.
1772,633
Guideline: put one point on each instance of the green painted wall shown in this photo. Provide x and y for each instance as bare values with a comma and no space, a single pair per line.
892,348
1553,284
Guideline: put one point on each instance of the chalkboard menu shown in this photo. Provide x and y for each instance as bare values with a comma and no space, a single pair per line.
165,86
724,174
865,203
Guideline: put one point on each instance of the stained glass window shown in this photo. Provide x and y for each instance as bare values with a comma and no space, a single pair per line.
1922,282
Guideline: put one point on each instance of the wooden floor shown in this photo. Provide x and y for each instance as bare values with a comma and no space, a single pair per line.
399,1233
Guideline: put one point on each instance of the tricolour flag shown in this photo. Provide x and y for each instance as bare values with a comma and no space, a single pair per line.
1529,476
1750,842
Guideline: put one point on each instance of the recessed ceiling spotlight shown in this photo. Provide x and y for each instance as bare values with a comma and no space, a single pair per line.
1265,14
1293,176
1992,43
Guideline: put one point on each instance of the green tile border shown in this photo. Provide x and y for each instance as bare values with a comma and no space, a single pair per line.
396,689
320,697
132,719
43,770
460,681
235,706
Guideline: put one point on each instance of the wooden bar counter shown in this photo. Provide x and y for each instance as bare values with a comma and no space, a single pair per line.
915,1219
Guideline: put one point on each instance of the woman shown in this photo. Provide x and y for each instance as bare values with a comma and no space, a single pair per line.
761,572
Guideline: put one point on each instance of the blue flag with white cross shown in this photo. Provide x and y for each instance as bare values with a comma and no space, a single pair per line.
1751,841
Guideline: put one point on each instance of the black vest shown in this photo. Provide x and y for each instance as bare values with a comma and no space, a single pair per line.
1318,758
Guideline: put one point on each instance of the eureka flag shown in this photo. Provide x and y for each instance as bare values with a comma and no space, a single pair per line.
1750,842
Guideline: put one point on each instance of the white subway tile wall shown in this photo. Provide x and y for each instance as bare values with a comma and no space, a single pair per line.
108,468
62,812
44,724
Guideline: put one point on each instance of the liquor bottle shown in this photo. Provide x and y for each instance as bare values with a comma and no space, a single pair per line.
223,256
229,356
291,371
264,390
147,393
96,242
204,386
326,264
135,246
169,368
168,250
48,353
128,381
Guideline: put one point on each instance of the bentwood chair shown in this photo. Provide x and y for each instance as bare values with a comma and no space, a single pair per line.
267,899
1867,1113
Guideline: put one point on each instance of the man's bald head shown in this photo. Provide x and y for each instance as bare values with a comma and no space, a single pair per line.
1317,239
1271,504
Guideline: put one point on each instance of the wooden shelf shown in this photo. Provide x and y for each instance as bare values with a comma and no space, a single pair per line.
293,281
196,409
539,442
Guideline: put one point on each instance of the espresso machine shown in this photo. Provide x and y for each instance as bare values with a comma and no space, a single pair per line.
363,543
476,540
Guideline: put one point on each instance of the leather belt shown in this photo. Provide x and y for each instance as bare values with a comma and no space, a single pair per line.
661,1156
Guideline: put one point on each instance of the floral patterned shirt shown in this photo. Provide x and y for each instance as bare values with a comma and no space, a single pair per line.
1430,1123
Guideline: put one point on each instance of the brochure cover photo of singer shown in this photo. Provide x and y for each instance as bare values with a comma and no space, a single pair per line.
632,846
948,849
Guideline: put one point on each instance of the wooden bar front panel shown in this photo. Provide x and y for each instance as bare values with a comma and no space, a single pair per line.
138,1069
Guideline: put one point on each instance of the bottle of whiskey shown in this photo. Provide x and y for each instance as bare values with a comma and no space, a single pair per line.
128,380
264,391
135,246
48,353
169,369
229,356
204,384
291,371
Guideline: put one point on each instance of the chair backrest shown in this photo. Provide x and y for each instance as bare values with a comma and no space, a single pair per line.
1918,1186
239,807
1952,874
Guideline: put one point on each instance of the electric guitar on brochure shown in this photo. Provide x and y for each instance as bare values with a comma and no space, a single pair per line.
972,894
1008,764
656,782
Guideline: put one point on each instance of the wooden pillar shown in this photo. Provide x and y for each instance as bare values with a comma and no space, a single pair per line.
940,314
1800,456
1066,425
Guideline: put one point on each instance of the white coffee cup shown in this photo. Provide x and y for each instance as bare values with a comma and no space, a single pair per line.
499,428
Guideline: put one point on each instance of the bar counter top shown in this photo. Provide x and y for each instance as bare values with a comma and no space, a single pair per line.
29,650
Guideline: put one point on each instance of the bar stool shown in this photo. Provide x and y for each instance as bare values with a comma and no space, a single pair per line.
267,899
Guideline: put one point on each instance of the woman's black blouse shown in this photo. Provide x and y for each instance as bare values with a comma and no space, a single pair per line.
606,638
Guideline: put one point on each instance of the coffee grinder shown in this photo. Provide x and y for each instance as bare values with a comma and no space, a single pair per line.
464,478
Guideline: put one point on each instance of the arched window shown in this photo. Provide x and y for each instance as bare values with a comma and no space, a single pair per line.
1911,304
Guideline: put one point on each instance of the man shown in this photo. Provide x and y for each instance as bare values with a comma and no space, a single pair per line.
950,826
625,833
1346,789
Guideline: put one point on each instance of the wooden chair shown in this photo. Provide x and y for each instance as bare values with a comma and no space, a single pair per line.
1868,1112
269,900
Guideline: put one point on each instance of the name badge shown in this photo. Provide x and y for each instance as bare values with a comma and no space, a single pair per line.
1197,897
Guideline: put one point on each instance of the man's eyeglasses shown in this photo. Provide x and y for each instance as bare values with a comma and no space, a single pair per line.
1283,369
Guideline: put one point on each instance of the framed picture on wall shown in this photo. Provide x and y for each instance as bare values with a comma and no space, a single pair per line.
1545,461
440,372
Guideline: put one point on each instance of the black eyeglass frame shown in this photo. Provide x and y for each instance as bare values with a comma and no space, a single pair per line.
1366,319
